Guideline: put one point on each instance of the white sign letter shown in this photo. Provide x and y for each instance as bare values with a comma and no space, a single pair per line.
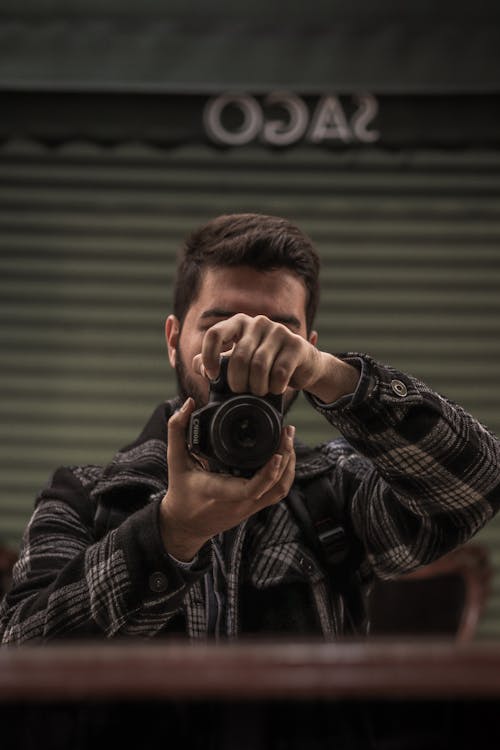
366,112
280,132
329,122
246,132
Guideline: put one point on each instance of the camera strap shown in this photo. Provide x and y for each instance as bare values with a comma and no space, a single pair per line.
323,518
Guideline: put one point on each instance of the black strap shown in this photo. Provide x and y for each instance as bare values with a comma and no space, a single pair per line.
321,519
324,520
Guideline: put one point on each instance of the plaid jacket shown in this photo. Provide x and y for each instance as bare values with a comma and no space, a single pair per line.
417,474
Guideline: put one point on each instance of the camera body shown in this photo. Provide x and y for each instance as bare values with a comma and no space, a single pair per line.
236,433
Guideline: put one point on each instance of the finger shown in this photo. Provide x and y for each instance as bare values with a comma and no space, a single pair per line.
282,370
287,448
254,356
177,453
242,361
274,361
286,439
261,365
218,338
270,474
264,479
198,366
228,488
282,487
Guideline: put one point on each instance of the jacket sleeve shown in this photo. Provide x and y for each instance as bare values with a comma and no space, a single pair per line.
422,476
67,584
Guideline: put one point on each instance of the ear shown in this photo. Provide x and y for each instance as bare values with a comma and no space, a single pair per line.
172,331
313,338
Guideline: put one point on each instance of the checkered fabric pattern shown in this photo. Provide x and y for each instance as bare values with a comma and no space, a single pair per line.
418,474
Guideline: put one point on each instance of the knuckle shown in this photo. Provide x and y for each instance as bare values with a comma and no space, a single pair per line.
211,335
281,371
240,320
261,322
259,362
281,487
280,333
239,356
279,496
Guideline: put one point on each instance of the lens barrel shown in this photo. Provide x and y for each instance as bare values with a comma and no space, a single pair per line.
245,431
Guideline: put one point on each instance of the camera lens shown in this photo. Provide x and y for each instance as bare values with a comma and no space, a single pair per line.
245,432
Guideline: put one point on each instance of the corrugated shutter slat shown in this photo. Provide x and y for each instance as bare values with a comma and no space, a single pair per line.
88,241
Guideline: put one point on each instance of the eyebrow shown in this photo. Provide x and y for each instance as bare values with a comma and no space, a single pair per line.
218,312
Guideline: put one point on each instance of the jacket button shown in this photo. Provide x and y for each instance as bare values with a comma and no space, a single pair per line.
399,388
158,582
306,566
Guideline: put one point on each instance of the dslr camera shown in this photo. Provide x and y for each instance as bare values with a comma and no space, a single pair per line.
236,433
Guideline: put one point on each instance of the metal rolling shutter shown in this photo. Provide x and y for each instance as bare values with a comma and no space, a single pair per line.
88,240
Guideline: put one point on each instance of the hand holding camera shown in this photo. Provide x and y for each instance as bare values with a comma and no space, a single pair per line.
236,433
267,357
267,361
200,504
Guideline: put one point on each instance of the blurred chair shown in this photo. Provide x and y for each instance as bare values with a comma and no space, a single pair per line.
446,597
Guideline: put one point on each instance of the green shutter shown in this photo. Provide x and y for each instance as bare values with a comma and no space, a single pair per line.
88,241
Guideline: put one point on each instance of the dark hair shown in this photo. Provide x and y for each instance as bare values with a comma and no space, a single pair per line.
256,240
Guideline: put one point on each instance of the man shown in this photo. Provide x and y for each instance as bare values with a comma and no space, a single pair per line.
155,544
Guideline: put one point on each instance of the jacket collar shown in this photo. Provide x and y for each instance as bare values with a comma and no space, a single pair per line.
143,463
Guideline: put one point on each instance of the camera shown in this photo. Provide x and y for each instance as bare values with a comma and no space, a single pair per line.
236,433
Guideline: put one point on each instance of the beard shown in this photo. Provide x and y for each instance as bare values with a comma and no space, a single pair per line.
187,385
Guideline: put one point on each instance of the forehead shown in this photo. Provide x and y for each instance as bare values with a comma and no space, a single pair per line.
275,293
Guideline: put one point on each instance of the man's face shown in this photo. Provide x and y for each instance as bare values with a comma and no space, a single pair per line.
279,295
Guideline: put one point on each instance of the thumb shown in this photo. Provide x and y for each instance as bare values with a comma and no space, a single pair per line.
177,453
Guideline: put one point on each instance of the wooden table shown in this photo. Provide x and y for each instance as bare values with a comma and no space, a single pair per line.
375,669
